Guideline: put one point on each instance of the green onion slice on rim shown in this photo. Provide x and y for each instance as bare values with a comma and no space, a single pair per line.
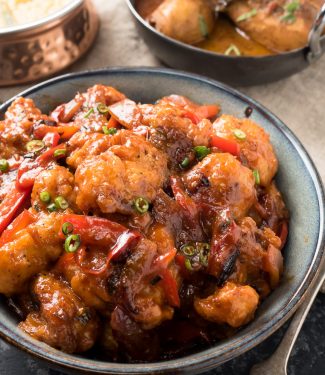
109,131
35,145
257,177
185,163
72,243
60,202
102,108
201,152
67,228
51,207
91,110
45,196
239,134
141,205
246,16
188,250
233,50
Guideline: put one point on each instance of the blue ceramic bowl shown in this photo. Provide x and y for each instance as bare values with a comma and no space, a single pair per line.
297,179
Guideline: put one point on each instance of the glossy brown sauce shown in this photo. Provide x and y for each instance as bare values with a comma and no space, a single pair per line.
225,35
226,38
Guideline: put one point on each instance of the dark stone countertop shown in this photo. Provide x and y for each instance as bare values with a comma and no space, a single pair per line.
308,357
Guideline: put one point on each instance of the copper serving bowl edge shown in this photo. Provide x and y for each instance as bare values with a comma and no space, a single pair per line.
44,48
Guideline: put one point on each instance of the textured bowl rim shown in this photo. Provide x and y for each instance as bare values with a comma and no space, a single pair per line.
208,358
195,49
61,12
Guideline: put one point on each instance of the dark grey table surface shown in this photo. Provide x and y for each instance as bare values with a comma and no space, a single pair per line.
308,357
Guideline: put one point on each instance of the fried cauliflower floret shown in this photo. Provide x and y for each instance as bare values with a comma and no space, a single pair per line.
31,251
232,304
230,184
16,129
129,169
63,320
85,145
57,181
259,254
256,150
168,116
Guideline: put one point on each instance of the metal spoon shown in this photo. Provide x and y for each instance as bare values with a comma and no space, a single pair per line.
277,363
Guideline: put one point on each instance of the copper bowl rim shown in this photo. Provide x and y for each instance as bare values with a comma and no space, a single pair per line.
57,15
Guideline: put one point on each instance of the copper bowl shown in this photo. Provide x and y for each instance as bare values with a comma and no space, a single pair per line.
42,48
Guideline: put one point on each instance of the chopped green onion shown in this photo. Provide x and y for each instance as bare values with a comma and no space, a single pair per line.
45,196
141,205
72,243
185,163
4,165
246,16
239,134
290,10
61,152
35,145
203,26
288,18
204,259
51,207
292,7
233,49
60,202
188,264
102,108
67,228
89,113
188,250
109,131
204,250
257,177
201,152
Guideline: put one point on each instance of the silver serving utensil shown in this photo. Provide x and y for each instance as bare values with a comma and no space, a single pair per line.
277,363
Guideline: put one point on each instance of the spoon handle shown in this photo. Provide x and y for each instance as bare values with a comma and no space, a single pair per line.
277,363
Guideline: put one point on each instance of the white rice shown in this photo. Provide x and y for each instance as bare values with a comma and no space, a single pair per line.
19,12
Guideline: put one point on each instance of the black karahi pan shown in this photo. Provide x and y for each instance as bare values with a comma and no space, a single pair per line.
234,70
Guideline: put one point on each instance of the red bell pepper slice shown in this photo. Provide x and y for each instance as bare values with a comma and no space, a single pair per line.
95,230
112,123
225,145
192,116
65,112
51,139
199,111
125,241
64,131
29,170
183,199
11,205
21,222
127,113
170,287
180,261
207,111
168,282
